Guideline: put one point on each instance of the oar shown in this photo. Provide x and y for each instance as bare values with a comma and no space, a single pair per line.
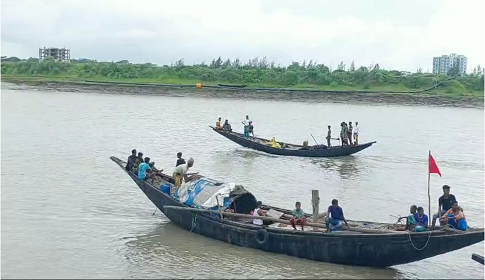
314,139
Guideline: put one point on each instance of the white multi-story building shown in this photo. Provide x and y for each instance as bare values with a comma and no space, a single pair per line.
443,64
60,54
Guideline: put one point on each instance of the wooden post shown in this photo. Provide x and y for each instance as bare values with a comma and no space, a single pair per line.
315,205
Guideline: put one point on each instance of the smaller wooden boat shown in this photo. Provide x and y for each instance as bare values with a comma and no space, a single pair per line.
261,144
478,258
232,86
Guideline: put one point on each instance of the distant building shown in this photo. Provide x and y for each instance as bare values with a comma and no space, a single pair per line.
60,54
443,64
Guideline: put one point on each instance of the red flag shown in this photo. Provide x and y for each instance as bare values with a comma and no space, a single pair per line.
433,167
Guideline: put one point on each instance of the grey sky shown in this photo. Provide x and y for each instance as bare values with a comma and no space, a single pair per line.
397,34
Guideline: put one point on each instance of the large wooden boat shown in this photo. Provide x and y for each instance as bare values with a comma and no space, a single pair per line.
366,244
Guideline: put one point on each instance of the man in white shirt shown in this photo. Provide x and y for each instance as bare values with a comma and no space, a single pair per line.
356,133
180,172
246,126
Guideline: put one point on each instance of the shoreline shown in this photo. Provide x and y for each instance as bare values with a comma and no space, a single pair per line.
296,95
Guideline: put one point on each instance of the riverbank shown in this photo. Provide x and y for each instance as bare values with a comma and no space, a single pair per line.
434,97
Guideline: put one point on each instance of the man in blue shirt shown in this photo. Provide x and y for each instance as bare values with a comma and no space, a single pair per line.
335,217
421,220
143,168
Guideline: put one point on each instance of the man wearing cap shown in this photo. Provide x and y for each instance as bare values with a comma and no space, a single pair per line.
180,172
445,203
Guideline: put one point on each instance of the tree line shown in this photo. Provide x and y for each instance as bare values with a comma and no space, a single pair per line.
254,71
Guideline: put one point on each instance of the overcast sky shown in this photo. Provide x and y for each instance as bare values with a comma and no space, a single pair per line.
397,34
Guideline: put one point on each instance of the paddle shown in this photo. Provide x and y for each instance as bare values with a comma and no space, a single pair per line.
314,139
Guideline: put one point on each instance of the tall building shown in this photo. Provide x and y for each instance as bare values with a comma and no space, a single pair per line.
61,54
443,64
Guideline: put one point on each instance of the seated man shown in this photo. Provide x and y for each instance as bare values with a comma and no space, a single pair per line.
421,220
131,160
155,171
258,212
335,217
410,220
143,169
298,216
455,217
180,172
218,124
226,127
274,144
138,160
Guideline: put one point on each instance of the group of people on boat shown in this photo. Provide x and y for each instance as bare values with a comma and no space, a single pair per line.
347,134
334,217
144,169
449,213
226,127
141,166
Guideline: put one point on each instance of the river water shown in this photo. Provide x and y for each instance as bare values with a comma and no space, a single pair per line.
69,212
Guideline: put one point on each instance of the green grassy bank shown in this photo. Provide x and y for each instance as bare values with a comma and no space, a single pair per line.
257,74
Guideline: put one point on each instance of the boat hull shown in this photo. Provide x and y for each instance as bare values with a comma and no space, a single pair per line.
373,250
231,86
336,151
478,258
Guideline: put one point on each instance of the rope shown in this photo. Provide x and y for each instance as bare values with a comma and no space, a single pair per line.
194,222
427,241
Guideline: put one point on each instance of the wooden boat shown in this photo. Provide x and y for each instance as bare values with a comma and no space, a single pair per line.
478,258
286,149
368,244
232,86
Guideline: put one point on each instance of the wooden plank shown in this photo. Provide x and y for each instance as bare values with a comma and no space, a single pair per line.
272,219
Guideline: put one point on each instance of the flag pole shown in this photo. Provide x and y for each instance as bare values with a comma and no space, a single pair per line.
429,195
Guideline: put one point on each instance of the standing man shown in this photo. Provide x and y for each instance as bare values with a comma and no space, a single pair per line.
356,133
329,136
445,202
251,128
349,133
180,160
246,126
180,173
343,134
